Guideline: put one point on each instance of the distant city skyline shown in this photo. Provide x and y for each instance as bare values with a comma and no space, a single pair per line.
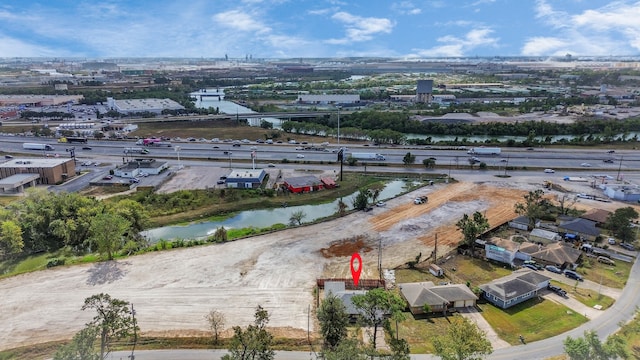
320,28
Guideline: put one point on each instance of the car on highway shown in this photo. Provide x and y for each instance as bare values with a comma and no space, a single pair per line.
271,165
549,171
611,151
236,145
553,269
585,164
300,156
86,148
608,161
8,157
227,152
216,147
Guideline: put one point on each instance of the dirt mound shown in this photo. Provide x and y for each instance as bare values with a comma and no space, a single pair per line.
346,247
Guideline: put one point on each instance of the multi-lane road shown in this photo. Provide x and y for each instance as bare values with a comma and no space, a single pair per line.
516,158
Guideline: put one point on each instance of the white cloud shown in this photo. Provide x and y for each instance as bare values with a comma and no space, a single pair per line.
460,46
611,29
360,28
239,20
406,8
11,47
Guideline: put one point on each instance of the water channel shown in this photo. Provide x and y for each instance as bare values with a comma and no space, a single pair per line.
267,217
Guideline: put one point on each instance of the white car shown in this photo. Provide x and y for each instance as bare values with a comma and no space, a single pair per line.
585,165
549,171
300,156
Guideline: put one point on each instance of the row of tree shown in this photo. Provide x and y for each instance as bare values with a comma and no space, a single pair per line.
49,221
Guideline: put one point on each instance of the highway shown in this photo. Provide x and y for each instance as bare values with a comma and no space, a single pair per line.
571,160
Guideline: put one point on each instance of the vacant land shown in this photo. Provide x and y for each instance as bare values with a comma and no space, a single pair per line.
173,290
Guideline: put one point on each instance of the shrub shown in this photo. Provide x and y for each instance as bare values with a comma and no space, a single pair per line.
55,262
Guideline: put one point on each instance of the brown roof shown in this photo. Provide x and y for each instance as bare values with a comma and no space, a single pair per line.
597,215
555,253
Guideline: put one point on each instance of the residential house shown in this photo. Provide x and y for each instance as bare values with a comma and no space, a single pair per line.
520,223
515,288
438,297
584,228
543,236
503,250
599,216
558,254
337,289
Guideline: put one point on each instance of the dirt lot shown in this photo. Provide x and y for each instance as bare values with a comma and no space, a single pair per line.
173,290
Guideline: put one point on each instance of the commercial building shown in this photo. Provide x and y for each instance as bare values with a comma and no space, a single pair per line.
50,170
38,100
302,184
137,167
329,99
245,178
424,91
132,106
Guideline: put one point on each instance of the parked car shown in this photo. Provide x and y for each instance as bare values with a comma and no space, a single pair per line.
529,266
134,180
573,275
553,269
557,290
534,264
611,241
380,204
549,171
606,260
220,182
628,246
223,177
108,177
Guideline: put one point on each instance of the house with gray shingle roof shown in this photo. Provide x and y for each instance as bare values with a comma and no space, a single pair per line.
438,297
519,286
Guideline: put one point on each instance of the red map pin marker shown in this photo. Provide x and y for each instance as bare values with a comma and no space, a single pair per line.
355,273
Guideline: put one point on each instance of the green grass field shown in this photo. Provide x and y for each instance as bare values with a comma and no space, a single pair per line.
535,319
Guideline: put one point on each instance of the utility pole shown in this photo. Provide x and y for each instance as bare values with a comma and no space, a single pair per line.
135,333
619,168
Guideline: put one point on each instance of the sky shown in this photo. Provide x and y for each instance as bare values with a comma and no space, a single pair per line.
318,28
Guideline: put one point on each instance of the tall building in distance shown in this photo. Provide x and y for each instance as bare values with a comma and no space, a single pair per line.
424,91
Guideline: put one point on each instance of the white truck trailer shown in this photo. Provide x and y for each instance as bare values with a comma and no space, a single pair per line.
367,156
135,150
484,151
36,146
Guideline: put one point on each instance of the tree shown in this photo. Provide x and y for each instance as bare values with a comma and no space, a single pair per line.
375,306
532,207
352,161
347,349
113,320
10,238
619,222
107,231
463,341
472,227
296,218
361,201
408,159
216,321
342,208
590,347
254,342
429,163
81,346
333,319
220,235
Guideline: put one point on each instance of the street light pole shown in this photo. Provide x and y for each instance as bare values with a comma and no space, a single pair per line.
177,149
338,126
619,168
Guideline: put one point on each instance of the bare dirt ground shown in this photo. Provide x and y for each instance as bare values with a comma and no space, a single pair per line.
172,291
